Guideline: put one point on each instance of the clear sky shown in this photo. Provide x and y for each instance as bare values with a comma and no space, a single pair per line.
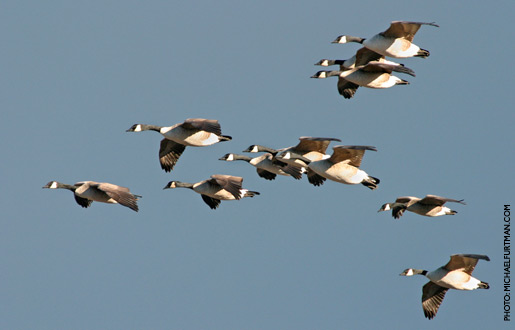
77,74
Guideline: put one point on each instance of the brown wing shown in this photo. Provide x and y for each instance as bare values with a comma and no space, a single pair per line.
365,55
228,182
308,143
408,200
208,125
120,194
169,153
315,179
432,297
351,154
465,262
437,200
346,88
212,202
386,68
265,174
84,202
294,171
406,30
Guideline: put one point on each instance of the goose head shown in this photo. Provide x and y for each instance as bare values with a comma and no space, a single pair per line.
52,185
385,207
227,157
343,39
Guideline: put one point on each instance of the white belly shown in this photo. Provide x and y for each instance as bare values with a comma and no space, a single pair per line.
453,280
342,173
190,138
397,48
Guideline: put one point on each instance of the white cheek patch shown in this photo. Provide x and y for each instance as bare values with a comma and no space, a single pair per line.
324,63
342,40
53,185
230,157
255,149
138,128
410,272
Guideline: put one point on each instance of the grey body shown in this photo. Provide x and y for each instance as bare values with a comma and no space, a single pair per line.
86,192
429,206
456,274
219,187
193,132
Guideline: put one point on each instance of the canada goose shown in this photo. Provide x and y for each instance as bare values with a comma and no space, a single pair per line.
396,41
363,56
312,148
430,206
86,192
193,132
267,166
218,187
342,166
456,274
372,75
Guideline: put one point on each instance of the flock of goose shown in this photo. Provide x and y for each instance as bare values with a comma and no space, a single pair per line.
368,68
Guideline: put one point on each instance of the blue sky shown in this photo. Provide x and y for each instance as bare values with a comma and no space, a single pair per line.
76,75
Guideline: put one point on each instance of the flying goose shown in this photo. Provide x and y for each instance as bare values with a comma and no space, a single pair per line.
429,206
307,150
395,42
86,192
372,75
342,166
267,166
456,274
193,132
219,187
363,56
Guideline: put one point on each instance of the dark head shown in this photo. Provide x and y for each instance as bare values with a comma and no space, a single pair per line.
135,128
52,185
227,157
343,39
411,272
385,207
171,185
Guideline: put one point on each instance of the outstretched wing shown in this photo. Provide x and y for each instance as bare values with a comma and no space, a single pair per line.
169,153
437,200
84,202
351,154
230,183
212,202
464,262
432,297
208,125
120,194
403,29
